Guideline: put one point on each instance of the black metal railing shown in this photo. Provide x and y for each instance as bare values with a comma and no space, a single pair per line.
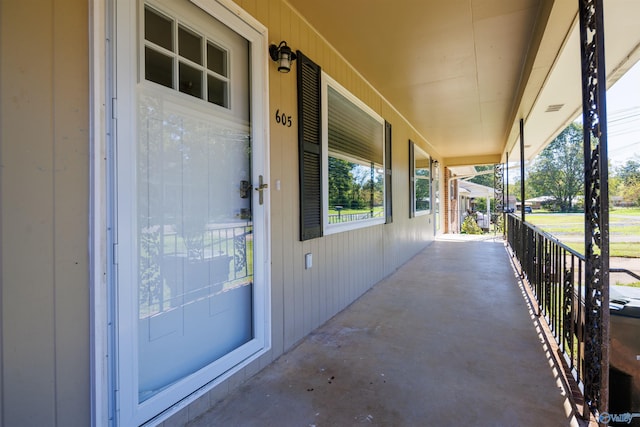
176,269
555,273
625,271
348,217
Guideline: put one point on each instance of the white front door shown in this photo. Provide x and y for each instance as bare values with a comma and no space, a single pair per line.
191,274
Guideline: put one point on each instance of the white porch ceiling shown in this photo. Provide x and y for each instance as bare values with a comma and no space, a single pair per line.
464,72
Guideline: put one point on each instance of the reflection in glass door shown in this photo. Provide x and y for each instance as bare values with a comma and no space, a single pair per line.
194,244
189,281
193,196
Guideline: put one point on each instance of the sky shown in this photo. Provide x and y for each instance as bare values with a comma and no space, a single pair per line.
623,113
623,118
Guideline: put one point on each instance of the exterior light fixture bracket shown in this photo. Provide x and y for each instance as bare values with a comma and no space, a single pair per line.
283,55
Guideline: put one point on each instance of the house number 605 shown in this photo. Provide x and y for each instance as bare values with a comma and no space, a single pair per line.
283,119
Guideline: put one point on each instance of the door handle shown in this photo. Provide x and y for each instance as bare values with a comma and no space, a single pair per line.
260,188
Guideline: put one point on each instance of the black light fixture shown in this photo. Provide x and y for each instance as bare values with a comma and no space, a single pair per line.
283,55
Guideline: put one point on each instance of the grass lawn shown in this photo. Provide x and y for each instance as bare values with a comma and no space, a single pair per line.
376,210
624,230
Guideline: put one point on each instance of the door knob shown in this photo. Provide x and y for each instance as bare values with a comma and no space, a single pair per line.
260,188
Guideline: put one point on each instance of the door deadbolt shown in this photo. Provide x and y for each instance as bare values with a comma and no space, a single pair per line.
245,188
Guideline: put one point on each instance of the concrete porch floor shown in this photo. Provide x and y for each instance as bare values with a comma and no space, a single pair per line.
447,340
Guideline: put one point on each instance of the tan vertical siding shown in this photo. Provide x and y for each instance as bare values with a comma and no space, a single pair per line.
347,264
44,200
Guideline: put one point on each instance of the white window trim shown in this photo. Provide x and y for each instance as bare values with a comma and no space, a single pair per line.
416,178
99,393
435,187
327,81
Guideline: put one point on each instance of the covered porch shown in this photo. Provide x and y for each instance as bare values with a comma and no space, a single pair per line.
444,336
428,345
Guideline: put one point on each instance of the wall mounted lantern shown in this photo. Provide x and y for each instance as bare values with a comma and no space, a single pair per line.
283,55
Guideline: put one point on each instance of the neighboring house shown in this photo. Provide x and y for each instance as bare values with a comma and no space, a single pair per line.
510,205
168,193
538,202
469,192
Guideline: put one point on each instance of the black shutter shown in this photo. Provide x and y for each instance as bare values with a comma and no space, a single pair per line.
309,147
412,180
388,201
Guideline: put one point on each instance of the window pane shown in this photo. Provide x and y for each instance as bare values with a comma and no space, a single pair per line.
422,195
217,60
355,159
194,242
158,67
353,131
422,174
355,191
190,45
158,29
190,80
217,91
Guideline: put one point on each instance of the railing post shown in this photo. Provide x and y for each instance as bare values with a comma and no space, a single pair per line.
594,113
525,248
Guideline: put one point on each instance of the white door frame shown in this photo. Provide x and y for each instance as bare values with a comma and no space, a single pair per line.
106,115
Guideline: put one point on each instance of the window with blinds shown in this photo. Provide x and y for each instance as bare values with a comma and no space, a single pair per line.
344,157
355,169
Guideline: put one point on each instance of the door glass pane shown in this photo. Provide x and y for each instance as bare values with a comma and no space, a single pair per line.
158,67
193,216
190,45
216,59
190,80
195,241
217,91
158,29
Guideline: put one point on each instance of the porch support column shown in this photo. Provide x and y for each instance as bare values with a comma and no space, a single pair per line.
523,233
498,192
594,116
522,169
506,182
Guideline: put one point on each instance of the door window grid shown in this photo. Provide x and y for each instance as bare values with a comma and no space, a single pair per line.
180,58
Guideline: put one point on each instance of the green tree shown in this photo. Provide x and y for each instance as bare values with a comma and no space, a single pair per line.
340,182
514,190
629,172
628,176
481,204
558,171
615,185
485,179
